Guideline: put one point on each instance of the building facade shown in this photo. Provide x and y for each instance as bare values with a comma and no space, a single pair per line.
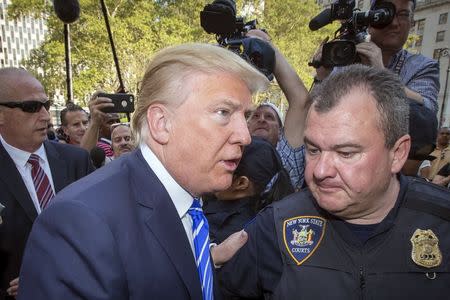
432,39
18,37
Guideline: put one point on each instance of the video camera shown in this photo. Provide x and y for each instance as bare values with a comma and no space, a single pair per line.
341,51
220,18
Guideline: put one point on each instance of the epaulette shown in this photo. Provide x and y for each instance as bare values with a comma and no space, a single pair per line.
427,197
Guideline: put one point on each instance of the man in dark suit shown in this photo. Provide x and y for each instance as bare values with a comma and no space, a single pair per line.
132,229
23,130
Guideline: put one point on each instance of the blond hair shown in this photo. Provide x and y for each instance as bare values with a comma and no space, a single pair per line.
164,77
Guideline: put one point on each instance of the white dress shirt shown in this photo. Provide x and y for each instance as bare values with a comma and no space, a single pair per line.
20,159
180,197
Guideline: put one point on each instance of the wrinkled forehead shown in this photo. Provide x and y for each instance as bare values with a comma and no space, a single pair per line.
21,87
265,109
121,130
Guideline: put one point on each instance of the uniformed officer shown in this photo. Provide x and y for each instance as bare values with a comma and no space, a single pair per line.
361,230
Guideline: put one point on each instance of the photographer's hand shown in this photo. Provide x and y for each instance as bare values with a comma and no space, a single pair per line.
96,105
370,54
321,72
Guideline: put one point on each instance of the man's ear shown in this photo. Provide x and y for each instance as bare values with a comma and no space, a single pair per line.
400,153
64,128
158,121
240,183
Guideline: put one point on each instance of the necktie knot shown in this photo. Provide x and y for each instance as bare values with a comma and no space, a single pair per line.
196,209
44,191
34,160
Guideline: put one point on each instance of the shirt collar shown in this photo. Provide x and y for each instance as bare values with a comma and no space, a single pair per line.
20,157
180,197
105,140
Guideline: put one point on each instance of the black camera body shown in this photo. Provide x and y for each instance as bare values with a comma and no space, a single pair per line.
123,103
341,51
220,18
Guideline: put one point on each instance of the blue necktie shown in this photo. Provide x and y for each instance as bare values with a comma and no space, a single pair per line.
200,230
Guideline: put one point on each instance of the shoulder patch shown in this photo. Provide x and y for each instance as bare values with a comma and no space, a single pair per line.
302,235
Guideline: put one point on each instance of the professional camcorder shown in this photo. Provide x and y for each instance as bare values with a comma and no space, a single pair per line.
341,51
220,18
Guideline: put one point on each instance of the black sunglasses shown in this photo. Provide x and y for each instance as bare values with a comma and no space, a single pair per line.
32,106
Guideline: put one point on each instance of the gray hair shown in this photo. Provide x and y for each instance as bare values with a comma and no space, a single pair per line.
384,86
165,76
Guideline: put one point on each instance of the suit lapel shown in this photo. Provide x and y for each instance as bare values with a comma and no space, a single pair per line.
13,180
57,165
163,221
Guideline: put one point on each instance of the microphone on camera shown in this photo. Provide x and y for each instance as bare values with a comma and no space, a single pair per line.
321,20
67,11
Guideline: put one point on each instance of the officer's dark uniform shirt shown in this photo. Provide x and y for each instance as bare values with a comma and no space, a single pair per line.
296,250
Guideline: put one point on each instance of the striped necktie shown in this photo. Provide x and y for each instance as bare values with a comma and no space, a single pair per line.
200,230
42,185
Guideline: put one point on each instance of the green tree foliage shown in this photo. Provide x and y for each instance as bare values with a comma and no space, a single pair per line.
141,27
287,22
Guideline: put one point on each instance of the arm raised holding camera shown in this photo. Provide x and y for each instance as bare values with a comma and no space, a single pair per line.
293,89
97,118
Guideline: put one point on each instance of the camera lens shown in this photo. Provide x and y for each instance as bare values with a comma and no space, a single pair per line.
339,53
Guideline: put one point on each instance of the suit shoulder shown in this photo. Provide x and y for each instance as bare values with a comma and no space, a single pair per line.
427,197
65,149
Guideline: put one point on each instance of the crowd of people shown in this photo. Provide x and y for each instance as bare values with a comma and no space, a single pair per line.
206,196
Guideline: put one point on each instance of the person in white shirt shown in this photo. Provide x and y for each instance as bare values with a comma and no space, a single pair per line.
32,169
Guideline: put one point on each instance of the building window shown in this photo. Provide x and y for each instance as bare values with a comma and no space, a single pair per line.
443,18
436,53
420,26
440,36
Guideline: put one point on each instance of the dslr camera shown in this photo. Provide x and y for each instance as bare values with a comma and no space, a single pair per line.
219,18
341,51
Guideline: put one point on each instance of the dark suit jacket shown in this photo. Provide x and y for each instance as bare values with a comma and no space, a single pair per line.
115,234
67,164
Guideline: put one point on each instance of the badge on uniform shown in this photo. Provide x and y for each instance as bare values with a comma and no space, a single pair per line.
302,235
425,248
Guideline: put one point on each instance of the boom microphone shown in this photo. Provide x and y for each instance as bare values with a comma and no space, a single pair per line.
67,11
321,20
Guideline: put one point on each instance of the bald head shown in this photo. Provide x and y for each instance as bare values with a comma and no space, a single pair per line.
19,127
11,79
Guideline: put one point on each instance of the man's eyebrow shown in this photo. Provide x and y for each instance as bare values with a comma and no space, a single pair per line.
335,147
347,145
308,141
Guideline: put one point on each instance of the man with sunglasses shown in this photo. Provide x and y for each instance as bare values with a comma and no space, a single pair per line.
32,169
